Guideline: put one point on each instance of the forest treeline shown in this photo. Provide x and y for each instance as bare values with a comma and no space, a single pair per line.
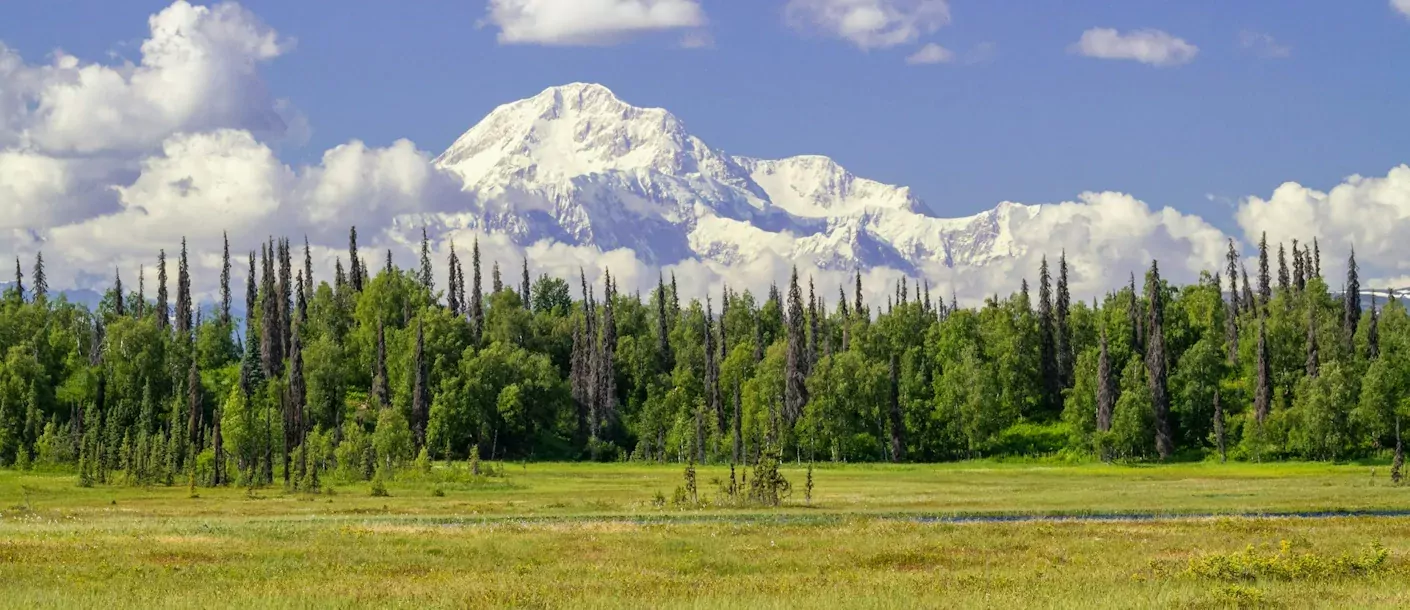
373,369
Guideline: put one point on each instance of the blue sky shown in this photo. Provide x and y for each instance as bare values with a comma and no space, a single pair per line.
1032,122
126,126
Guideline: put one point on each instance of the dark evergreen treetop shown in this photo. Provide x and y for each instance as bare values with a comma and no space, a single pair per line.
1351,297
1265,287
225,279
163,311
41,283
356,272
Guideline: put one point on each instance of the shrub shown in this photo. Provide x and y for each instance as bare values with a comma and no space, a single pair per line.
1285,564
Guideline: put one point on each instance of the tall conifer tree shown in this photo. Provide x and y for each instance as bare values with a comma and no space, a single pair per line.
163,310
795,376
183,294
1061,308
1351,299
40,280
1265,286
1047,344
225,299
477,298
1284,279
119,307
355,272
427,278
1157,366
663,333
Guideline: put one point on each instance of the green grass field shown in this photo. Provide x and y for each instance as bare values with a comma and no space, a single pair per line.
590,535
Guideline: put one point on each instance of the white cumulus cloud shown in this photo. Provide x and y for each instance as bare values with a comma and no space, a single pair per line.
869,24
1152,47
1371,214
197,72
931,54
588,22
1401,6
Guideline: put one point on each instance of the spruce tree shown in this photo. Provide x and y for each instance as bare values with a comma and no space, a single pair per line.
420,389
1247,302
497,282
675,299
477,298
460,286
1299,279
605,381
427,278
1351,299
1047,344
308,272
19,280
286,302
139,308
577,373
1284,280
388,267
1061,308
1231,329
355,272
183,294
1316,258
812,346
1233,259
663,334
898,424
453,282
269,317
1157,366
712,371
795,380
1265,287
250,363
225,279
295,426
163,311
525,289
119,308
1263,391
858,307
41,283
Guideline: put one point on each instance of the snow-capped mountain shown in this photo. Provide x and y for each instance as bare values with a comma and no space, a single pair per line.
578,165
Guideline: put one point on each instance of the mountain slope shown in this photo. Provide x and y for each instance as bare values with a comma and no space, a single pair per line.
576,164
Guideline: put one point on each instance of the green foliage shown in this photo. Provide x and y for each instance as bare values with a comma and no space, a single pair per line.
1253,564
973,382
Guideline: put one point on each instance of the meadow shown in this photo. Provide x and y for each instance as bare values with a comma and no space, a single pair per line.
599,535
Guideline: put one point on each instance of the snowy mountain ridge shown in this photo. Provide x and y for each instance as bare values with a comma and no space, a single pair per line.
576,164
